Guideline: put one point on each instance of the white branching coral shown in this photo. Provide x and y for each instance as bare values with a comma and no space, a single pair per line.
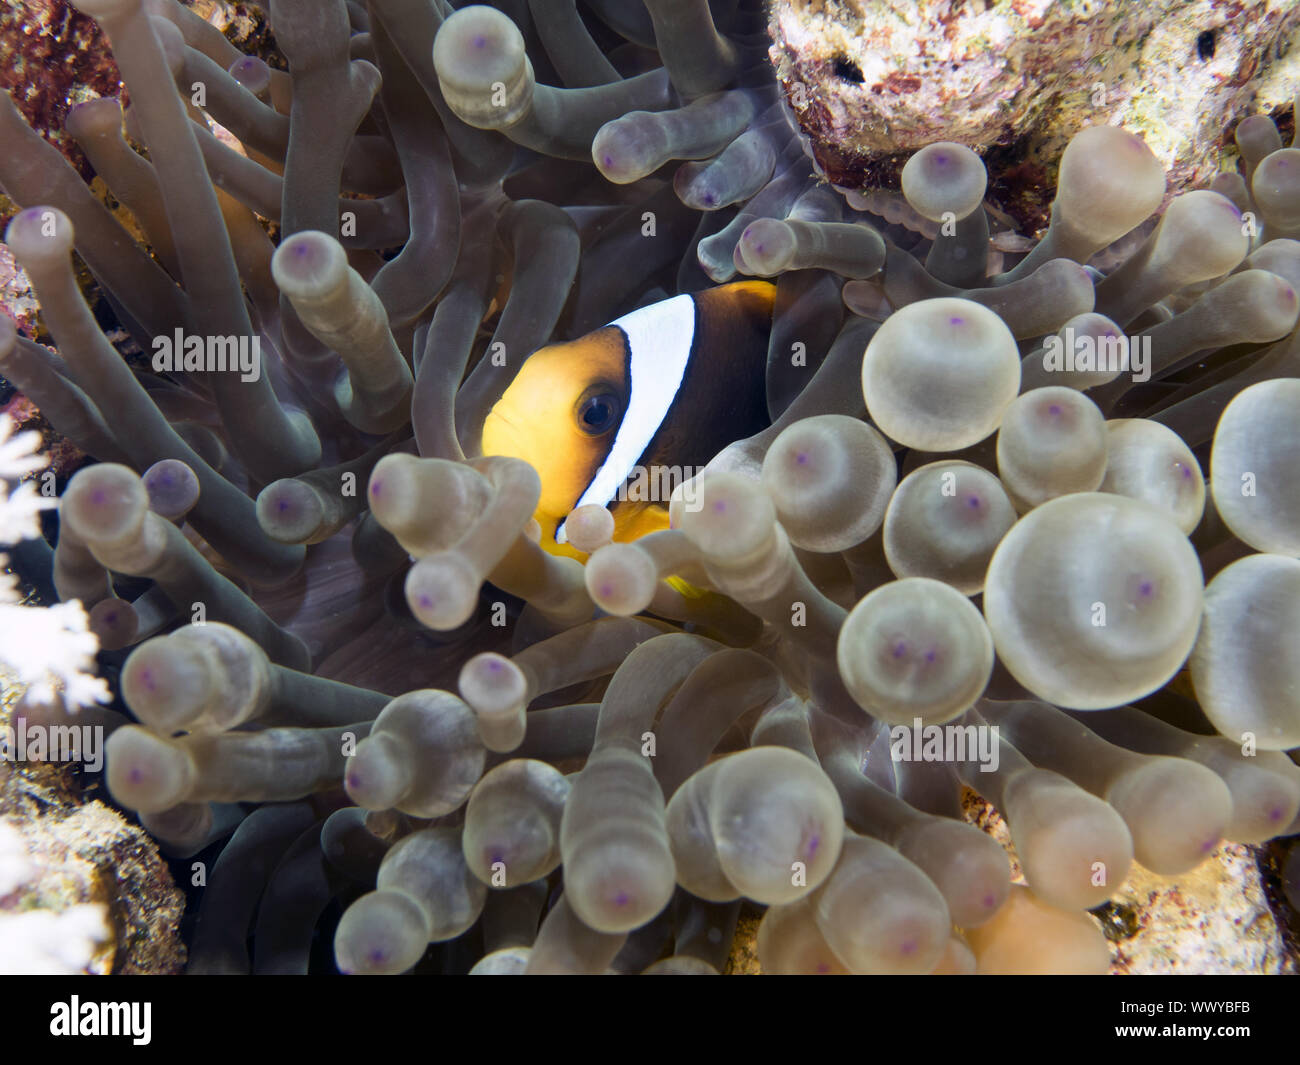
20,507
42,942
16,867
47,650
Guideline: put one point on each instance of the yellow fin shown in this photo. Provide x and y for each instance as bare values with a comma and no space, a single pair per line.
686,588
635,520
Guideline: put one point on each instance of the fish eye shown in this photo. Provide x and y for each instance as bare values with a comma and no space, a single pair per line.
598,413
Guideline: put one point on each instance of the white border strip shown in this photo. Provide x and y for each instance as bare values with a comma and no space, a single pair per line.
659,339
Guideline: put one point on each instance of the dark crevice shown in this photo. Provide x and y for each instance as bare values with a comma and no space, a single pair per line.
847,70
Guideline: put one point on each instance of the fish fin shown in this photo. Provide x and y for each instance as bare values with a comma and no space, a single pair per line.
686,588
635,520
759,297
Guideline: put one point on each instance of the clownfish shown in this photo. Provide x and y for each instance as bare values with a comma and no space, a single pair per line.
665,387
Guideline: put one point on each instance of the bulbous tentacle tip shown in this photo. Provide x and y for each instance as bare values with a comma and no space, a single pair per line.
105,503
483,68
309,265
145,771
944,181
40,234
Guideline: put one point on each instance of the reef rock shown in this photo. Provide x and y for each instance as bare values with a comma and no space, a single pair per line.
81,888
872,82
1215,918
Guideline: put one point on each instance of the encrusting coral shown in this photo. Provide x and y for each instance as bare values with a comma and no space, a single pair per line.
549,641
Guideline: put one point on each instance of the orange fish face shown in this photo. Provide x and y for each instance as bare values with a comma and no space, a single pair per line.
664,387
560,414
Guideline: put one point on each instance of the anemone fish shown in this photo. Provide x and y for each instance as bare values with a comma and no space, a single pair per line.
664,388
